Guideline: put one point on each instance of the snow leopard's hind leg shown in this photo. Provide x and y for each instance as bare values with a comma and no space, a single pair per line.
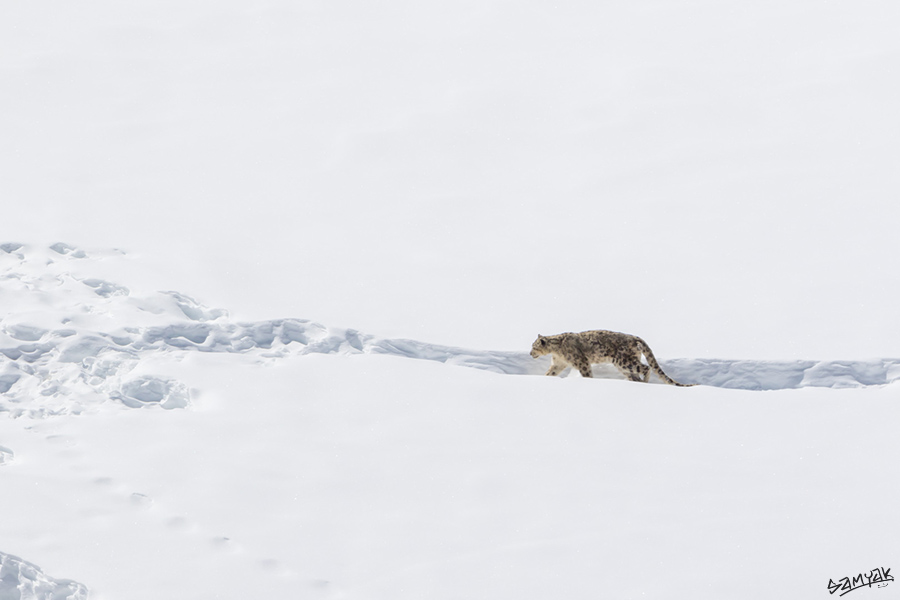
654,365
633,369
584,366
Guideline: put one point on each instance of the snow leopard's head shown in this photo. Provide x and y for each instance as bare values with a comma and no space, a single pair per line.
540,347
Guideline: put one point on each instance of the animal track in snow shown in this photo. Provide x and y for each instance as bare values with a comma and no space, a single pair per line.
142,500
25,333
105,288
80,349
65,249
147,391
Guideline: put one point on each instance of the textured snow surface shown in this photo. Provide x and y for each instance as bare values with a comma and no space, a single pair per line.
84,343
21,580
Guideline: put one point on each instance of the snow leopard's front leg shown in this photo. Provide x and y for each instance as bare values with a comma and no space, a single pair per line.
556,366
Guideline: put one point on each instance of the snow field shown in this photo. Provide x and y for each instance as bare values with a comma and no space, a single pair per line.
448,179
90,334
293,456
376,477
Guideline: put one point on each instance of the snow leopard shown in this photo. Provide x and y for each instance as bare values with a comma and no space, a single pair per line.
591,347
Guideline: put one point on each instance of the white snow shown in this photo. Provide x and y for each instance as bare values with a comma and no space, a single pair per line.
21,579
287,458
270,272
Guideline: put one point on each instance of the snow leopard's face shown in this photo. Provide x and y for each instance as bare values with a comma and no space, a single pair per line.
540,347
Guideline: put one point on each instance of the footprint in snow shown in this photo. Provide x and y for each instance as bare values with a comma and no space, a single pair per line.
106,289
141,500
25,333
7,381
67,250
150,391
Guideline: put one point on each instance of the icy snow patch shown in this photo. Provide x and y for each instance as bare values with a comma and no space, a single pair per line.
21,580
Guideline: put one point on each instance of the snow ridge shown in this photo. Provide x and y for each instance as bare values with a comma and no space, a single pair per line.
82,347
21,580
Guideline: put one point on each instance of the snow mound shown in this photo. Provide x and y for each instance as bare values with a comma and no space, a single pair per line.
783,375
70,341
21,580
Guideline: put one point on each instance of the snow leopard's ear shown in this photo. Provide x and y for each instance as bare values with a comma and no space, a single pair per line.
540,336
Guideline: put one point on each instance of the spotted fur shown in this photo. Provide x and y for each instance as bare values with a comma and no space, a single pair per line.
581,350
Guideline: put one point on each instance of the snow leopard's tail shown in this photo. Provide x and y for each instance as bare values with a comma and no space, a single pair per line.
651,360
